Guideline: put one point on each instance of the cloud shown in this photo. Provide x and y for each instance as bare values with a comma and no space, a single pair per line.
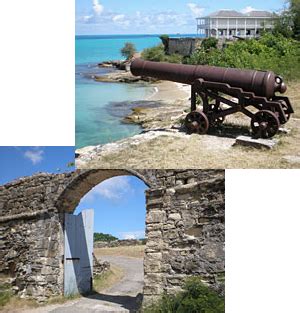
97,10
116,189
196,9
155,22
35,155
97,7
247,9
138,234
118,17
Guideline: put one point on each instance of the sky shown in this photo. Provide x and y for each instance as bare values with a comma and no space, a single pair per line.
99,17
119,207
118,203
16,162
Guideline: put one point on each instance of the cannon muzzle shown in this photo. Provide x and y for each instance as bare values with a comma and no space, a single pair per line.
261,83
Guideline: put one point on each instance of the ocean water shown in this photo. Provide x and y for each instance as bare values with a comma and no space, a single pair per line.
95,123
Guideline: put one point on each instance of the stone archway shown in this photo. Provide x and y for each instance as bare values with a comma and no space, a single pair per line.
76,275
185,212
84,181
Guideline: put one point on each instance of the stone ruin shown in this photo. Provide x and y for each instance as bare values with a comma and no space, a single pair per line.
118,243
184,228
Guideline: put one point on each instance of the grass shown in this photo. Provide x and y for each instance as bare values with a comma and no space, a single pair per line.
127,251
10,303
108,279
293,92
5,294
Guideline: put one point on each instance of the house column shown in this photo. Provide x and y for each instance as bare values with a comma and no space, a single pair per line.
217,27
245,28
255,27
227,28
236,26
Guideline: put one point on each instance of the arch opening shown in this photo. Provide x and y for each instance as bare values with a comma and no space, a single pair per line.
113,204
71,195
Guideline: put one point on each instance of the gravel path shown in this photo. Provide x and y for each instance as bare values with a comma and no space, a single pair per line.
125,296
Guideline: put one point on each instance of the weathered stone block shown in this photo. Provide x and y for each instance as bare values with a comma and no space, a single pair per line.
174,216
256,143
155,216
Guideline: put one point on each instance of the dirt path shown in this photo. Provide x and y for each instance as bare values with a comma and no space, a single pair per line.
125,296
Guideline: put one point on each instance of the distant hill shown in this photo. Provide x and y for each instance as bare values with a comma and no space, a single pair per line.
104,237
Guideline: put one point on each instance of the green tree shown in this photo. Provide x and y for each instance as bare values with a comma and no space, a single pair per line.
104,237
295,10
128,50
287,22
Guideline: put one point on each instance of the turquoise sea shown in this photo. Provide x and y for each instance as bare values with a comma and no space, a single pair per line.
95,122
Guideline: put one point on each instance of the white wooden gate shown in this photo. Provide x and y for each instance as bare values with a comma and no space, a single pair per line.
78,257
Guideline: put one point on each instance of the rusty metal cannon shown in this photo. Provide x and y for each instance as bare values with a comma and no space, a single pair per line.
225,91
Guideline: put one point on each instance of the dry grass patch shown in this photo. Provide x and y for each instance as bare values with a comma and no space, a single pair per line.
293,92
15,304
108,279
127,251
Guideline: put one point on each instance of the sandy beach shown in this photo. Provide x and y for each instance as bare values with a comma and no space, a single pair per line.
170,91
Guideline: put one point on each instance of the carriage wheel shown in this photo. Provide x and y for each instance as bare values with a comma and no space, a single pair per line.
264,124
196,122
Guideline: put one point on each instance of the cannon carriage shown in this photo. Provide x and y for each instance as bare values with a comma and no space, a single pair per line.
250,92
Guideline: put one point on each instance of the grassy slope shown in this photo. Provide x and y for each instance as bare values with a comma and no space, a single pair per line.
130,251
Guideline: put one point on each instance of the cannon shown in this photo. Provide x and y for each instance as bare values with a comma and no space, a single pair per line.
225,91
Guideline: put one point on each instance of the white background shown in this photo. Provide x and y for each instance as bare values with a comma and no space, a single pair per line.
262,241
37,63
37,108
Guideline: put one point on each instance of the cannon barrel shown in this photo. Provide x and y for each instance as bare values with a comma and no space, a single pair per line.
261,83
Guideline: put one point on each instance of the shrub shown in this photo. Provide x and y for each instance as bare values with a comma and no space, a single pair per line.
143,241
128,50
269,52
209,43
195,298
158,54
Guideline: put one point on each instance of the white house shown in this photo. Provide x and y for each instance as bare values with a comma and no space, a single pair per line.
229,23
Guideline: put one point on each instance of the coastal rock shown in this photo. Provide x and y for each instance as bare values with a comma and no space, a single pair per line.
122,77
256,143
110,63
119,64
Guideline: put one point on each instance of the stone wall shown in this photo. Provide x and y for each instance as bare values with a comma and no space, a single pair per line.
185,232
99,266
30,235
118,243
183,46
184,227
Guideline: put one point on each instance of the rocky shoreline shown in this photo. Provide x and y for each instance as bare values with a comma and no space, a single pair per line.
161,114
121,77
